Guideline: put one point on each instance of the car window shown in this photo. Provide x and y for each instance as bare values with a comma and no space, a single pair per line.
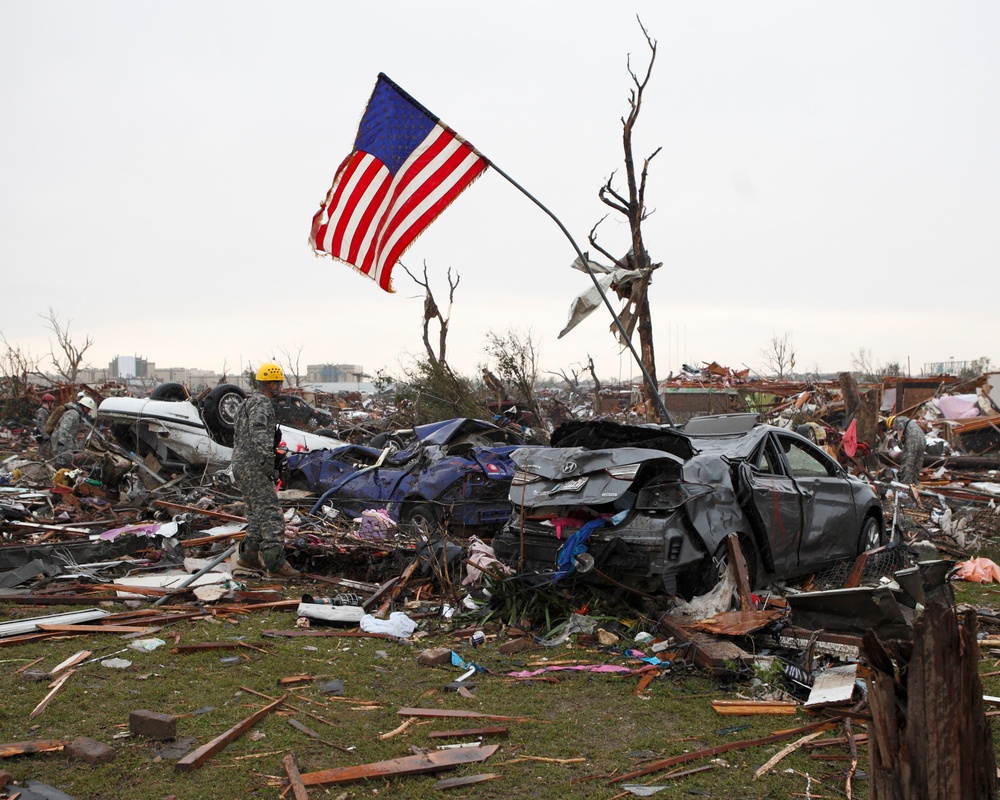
768,460
802,462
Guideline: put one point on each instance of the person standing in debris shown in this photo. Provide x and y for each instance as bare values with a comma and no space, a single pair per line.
64,445
914,443
256,437
42,416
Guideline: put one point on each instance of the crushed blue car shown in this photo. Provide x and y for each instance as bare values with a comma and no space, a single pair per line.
456,472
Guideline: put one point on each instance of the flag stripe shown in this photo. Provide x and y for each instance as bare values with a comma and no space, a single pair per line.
412,171
426,202
404,171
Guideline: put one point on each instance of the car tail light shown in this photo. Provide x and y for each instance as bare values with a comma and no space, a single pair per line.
521,478
626,472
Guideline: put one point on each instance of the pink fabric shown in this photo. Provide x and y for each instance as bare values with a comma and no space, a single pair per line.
850,443
979,570
958,406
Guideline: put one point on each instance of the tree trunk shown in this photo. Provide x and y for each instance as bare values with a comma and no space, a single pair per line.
645,328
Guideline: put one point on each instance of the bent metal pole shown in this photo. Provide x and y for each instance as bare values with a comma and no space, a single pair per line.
653,388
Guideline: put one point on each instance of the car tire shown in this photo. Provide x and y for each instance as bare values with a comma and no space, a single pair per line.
219,411
422,516
871,535
383,440
169,391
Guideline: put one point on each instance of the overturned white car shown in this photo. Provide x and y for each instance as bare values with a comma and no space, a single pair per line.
182,431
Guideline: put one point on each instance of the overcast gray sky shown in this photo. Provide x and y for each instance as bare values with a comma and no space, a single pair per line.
828,170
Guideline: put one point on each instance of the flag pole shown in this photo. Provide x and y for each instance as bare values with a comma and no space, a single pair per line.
654,389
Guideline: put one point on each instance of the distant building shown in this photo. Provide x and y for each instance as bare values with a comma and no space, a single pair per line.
335,373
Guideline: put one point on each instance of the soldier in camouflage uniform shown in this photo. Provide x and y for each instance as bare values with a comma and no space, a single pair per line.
64,444
256,434
914,444
42,416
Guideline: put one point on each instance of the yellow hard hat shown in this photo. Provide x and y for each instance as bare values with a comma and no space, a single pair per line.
269,371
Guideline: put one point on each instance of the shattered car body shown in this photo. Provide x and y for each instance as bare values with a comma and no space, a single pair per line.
458,470
650,506
195,432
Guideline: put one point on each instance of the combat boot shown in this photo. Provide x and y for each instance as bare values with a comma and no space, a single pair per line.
283,573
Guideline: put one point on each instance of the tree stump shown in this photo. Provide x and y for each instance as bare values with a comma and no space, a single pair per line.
929,736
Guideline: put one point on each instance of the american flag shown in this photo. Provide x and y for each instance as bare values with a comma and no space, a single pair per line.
405,169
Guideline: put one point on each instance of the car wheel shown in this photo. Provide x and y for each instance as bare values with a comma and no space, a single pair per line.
169,391
871,535
422,516
219,410
384,440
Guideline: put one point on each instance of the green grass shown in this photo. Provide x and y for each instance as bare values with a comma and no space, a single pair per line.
594,717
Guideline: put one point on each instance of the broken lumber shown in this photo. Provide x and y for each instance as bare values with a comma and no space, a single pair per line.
747,707
408,765
294,777
11,749
465,780
683,758
54,688
784,751
198,757
468,732
448,712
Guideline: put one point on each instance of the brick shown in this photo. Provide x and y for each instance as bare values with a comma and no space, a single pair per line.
152,724
5,778
90,751
514,646
435,657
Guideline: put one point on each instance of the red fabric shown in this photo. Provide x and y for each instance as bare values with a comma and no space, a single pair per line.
850,443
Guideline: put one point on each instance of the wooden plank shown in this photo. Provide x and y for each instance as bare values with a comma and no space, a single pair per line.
10,749
294,777
739,563
449,712
94,628
72,661
54,688
747,707
658,766
465,780
408,765
196,758
469,732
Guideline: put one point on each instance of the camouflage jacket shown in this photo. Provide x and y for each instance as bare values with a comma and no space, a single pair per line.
41,417
255,432
64,436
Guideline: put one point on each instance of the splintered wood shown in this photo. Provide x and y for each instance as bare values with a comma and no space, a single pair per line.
408,765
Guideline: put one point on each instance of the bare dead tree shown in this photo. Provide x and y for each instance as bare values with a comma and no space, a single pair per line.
779,355
516,356
17,366
293,362
67,357
597,384
433,311
634,290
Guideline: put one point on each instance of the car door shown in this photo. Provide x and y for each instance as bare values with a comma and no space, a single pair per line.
829,520
774,503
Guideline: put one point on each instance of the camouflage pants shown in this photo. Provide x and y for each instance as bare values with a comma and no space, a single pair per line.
265,531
